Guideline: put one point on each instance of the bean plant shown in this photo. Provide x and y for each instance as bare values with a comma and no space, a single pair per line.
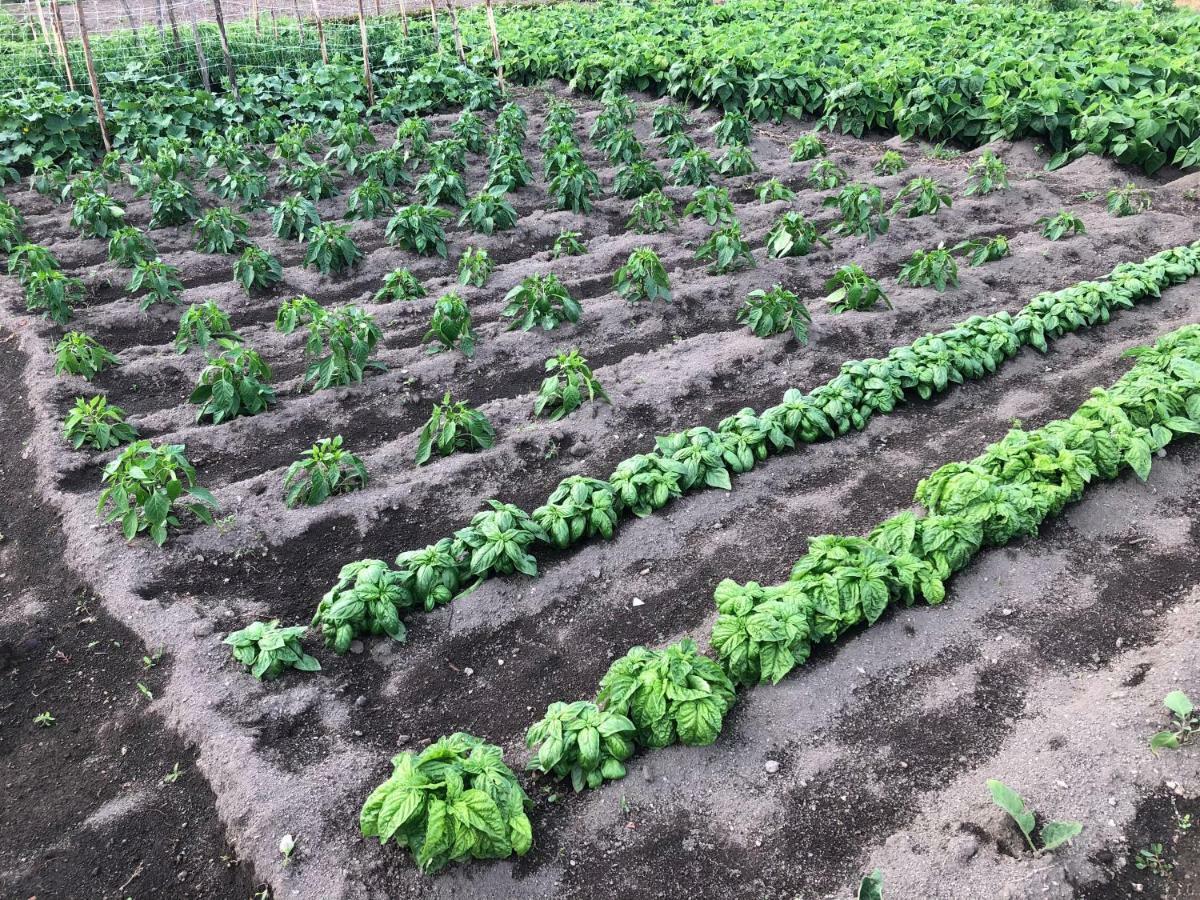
453,426
146,486
568,383
96,423
323,471
642,278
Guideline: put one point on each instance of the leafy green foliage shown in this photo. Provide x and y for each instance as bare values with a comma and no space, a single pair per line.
1127,200
128,246
1051,835
637,178
54,293
497,540
773,190
736,161
646,482
826,175
96,214
172,202
365,600
267,650
370,200
1185,722
674,695
339,347
234,383
297,311
200,325
620,146
580,507
711,204
924,197
669,118
775,312
677,145
980,252
419,229
450,326
862,211
219,230
12,225
145,485
400,284
331,249
1061,224
695,167
891,163
806,147
508,172
792,235
986,175
540,300
930,267
26,259
852,288
726,250
581,741
256,270
568,243
323,471
294,218
487,212
475,267
454,426
469,129
652,213
78,354
642,278
96,424
442,184
310,178
158,279
574,187
456,799
732,130
568,383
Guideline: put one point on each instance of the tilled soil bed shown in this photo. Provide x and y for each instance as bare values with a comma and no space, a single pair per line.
1046,667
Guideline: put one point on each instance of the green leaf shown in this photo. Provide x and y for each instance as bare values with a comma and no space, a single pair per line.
1055,834
1178,703
871,886
1013,804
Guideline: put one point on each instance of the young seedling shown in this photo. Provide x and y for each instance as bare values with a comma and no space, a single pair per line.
853,289
891,163
806,147
826,175
143,487
450,326
792,235
321,472
726,250
980,252
1127,200
370,200
487,212
95,424
871,886
331,249
233,384
267,650
340,343
294,218
986,175
219,230
1151,859
256,270
568,382
44,719
637,179
78,354
930,267
1185,723
773,191
574,187
159,280
475,267
174,775
419,229
862,211
775,312
568,243
1061,224
642,278
924,197
943,151
711,204
1051,835
454,426
540,300
200,325
652,213
400,284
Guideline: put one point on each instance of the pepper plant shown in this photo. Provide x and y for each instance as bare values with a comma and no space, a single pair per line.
637,178
450,326
574,187
540,300
736,161
312,179
453,426
773,191
891,163
297,311
652,213
267,650
930,267
986,175
54,293
726,250
642,278
294,218
96,214
256,270
792,235
201,324
172,202
219,230
508,171
370,200
97,424
400,284
340,343
806,147
826,175
669,118
924,197
474,267
321,472
712,204
568,383
128,246
419,229
775,311
1060,225
568,243
78,354
853,289
487,212
331,249
732,130
234,383
1127,200
861,207
159,280
980,252
146,486
442,184
694,168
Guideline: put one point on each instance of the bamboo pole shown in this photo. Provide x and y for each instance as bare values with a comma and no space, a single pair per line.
458,44
229,72
366,54
60,37
80,17
316,7
491,20
200,57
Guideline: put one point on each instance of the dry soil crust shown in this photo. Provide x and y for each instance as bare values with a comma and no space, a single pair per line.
884,743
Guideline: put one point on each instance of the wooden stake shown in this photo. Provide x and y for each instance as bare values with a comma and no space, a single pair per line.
133,25
491,20
437,33
404,18
158,20
255,13
60,37
275,26
29,21
91,70
458,44
230,74
320,31
378,8
174,30
50,45
200,57
366,54
299,21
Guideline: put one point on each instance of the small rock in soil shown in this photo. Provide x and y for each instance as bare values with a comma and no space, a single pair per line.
356,647
771,766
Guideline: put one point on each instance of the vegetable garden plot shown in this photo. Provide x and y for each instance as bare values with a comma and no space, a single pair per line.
664,366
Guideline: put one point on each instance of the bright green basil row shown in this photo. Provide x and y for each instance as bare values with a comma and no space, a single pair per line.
654,698
1114,79
370,596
